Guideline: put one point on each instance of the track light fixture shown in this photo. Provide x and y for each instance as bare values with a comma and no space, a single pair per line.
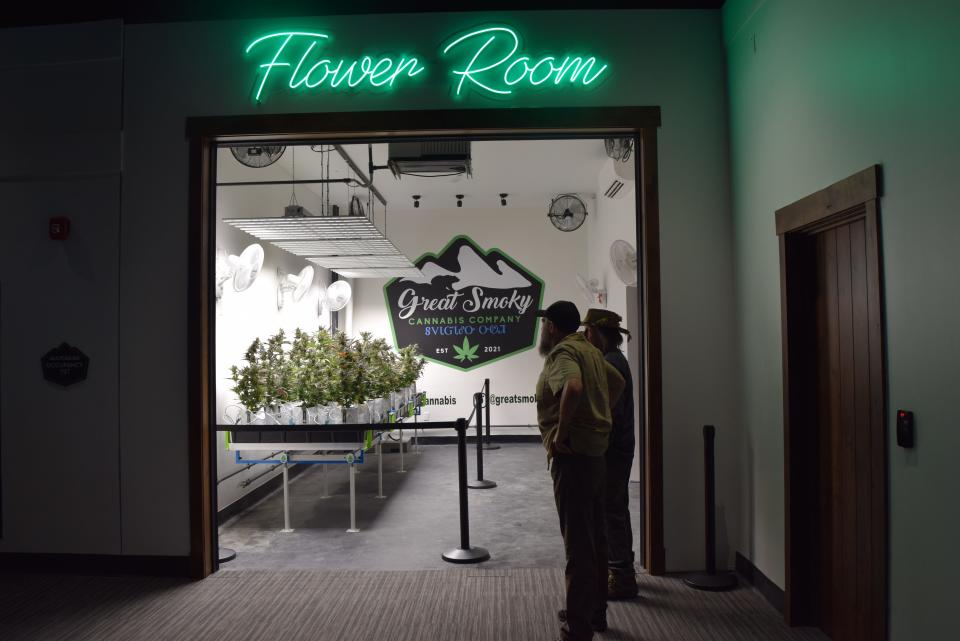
416,201
503,200
459,200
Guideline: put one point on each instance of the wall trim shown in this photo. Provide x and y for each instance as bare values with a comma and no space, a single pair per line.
96,564
752,575
842,195
204,133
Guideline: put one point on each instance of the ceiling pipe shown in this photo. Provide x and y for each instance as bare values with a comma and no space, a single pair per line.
365,181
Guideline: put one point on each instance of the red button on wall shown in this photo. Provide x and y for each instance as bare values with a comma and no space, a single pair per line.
59,228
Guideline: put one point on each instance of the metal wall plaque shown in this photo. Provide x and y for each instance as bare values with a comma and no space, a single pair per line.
65,365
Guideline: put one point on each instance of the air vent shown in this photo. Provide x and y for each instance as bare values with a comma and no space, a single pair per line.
616,179
432,158
613,189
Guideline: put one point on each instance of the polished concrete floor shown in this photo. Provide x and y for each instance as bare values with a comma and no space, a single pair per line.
416,522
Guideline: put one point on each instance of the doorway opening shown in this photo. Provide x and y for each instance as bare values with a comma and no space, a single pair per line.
834,410
341,170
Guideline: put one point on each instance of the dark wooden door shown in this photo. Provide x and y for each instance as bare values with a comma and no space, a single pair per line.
847,434
834,424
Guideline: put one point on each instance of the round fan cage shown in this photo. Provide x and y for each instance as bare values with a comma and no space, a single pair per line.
246,267
257,156
590,288
567,212
338,295
304,281
619,148
623,258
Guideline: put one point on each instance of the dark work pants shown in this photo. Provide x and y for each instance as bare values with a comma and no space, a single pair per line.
578,486
619,532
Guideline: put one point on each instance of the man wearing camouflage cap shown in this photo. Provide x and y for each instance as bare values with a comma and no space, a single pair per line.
604,332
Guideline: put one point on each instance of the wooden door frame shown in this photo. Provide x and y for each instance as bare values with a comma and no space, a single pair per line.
845,201
205,132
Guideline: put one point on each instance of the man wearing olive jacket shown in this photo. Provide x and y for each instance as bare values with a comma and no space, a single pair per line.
575,392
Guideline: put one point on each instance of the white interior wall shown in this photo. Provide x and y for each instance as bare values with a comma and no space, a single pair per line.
615,219
525,235
612,219
243,316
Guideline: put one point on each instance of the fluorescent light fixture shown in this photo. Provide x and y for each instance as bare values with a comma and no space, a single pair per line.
339,247
337,262
350,245
308,228
380,272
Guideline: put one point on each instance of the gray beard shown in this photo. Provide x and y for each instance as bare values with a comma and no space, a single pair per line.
544,347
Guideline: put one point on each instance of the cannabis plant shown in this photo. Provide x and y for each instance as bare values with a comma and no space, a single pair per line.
250,380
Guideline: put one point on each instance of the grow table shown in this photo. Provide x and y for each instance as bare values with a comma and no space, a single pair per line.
317,445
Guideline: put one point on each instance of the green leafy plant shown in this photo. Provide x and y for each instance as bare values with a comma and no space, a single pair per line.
409,366
466,351
319,368
314,367
250,380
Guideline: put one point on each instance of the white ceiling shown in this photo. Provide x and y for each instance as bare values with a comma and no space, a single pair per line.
531,172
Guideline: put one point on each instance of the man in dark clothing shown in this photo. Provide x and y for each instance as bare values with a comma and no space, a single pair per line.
604,332
574,394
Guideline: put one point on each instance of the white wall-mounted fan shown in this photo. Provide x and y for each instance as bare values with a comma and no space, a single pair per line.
337,295
591,290
623,258
243,269
298,285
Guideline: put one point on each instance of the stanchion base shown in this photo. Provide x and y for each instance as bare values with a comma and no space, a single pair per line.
225,555
401,471
470,555
481,484
379,497
352,530
287,530
491,446
719,582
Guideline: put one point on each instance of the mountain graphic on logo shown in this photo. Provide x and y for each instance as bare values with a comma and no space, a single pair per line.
474,271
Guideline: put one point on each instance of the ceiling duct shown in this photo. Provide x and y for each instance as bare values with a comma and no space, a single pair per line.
430,158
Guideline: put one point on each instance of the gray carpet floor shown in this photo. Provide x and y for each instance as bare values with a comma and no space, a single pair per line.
387,582
453,604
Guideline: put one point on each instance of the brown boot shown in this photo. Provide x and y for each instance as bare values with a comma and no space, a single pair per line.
621,583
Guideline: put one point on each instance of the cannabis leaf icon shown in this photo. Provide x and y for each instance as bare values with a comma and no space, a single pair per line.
467,352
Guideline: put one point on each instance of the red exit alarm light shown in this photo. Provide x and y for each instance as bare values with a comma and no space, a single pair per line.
59,228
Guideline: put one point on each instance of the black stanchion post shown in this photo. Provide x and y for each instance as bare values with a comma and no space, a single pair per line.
480,483
487,445
711,580
464,553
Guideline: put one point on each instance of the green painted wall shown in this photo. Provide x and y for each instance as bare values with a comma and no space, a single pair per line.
819,90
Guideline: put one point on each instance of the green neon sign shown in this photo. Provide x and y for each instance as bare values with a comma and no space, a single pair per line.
313,70
493,71
487,60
